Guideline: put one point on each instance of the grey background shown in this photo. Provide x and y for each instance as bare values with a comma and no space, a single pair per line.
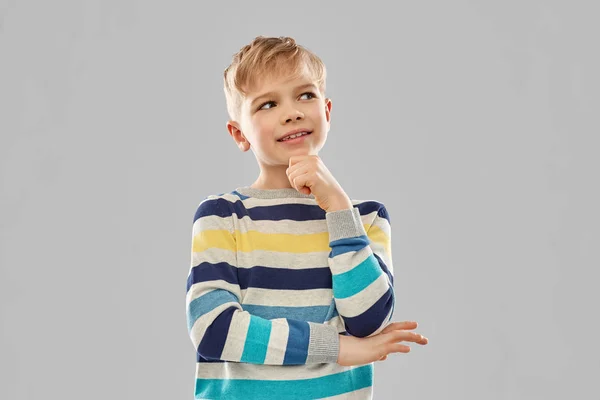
476,123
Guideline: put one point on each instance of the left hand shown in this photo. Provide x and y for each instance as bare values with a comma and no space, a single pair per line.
308,174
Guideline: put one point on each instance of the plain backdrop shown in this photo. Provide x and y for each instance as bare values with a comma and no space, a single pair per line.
475,123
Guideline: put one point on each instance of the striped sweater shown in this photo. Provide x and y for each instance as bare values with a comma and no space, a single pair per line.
273,281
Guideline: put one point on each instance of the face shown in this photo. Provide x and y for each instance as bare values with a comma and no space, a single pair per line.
276,108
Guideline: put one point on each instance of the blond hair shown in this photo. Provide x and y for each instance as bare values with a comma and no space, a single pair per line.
268,57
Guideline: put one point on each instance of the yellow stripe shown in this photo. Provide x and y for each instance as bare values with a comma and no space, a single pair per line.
284,242
377,235
222,239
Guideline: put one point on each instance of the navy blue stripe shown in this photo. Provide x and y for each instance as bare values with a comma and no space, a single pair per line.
285,279
383,213
213,341
295,212
212,272
384,268
297,345
262,277
366,323
201,359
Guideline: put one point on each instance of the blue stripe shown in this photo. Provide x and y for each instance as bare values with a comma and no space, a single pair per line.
315,388
295,212
207,302
257,341
206,271
284,278
366,323
311,314
347,245
357,279
212,343
262,277
297,345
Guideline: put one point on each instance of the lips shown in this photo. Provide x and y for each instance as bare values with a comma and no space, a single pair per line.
296,131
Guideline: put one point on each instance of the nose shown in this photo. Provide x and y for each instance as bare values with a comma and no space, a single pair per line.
292,115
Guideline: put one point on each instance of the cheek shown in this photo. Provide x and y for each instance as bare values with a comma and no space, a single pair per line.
264,130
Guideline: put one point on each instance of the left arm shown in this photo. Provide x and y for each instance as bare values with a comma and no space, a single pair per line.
361,267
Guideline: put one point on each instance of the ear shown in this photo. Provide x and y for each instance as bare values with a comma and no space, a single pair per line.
328,112
238,136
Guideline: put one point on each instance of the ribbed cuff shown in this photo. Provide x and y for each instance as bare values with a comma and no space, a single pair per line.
344,224
323,345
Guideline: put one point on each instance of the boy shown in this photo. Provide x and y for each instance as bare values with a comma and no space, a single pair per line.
290,290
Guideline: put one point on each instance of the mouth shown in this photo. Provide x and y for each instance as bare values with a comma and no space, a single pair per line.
295,136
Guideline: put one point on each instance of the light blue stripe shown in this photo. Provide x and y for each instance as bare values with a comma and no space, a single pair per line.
296,350
257,341
311,314
347,245
207,302
315,388
357,279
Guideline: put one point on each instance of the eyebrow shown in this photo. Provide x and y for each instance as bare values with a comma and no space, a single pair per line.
272,94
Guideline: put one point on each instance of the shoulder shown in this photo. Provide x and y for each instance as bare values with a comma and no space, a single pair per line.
372,208
221,205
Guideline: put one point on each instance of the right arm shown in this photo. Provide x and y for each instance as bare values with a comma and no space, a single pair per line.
217,324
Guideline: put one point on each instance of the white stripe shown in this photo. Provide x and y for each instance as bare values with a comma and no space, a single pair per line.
275,259
212,222
277,343
236,336
267,372
284,226
363,300
287,298
256,202
213,255
279,259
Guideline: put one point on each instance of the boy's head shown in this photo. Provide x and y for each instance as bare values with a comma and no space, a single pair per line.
273,87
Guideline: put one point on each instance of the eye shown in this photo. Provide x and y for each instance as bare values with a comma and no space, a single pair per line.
312,95
261,107
264,104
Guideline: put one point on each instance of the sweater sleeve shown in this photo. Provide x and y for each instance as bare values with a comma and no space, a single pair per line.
361,267
217,324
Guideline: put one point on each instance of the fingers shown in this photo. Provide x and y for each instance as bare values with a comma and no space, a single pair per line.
399,329
398,348
408,337
296,177
400,325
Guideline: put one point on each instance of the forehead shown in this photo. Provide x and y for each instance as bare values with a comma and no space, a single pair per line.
272,82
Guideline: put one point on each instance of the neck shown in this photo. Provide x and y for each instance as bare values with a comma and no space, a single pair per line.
273,177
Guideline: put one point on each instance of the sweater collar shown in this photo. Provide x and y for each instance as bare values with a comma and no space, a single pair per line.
282,193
